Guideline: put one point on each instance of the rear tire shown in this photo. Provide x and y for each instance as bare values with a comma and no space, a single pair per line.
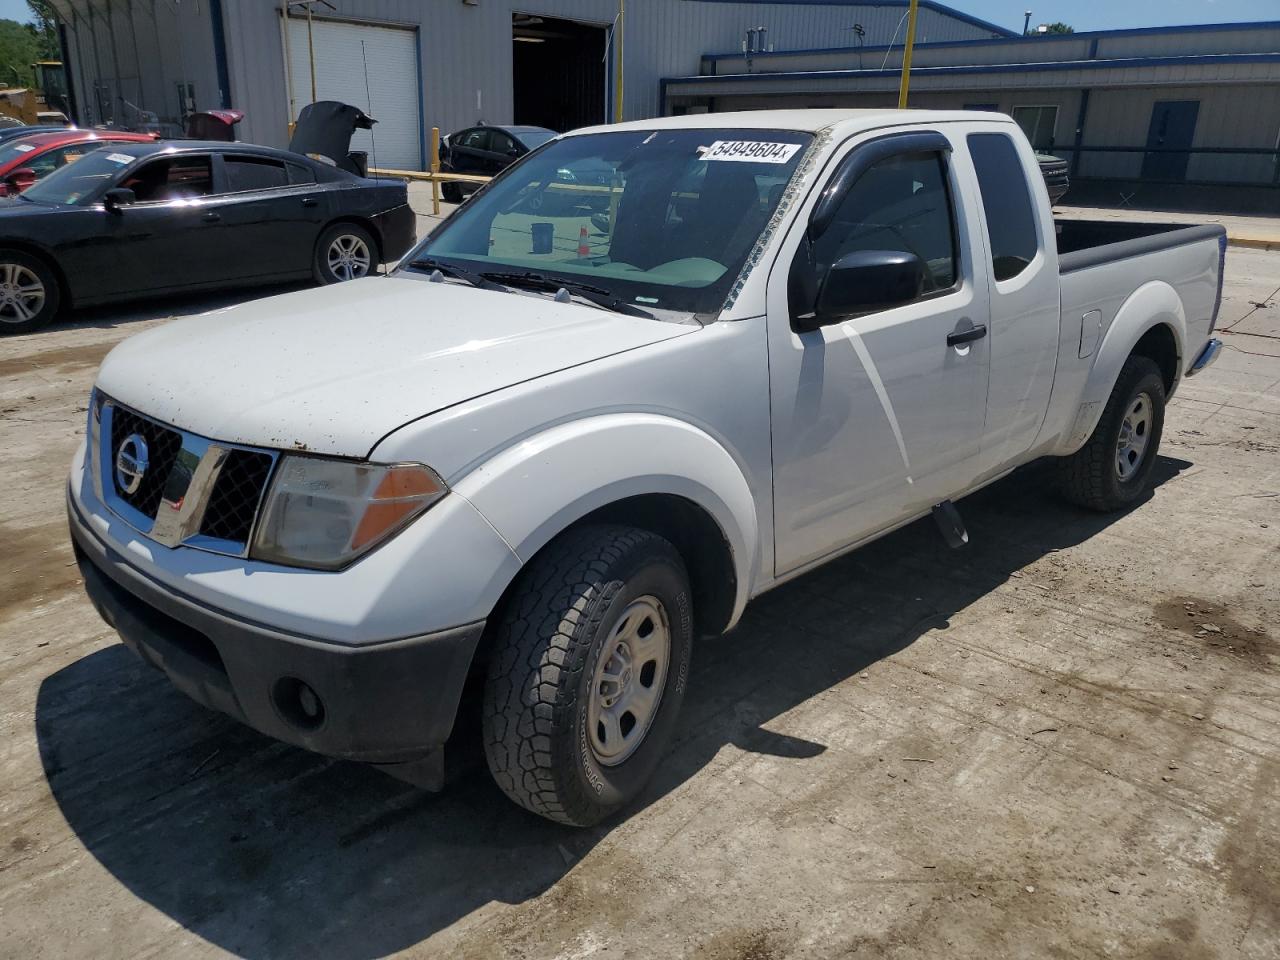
588,672
345,251
450,192
29,293
1112,470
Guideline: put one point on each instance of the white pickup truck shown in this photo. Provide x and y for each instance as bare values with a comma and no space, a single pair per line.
648,373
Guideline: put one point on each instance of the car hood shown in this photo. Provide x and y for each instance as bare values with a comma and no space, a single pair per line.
334,369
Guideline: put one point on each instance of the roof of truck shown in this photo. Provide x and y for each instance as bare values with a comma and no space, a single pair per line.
812,121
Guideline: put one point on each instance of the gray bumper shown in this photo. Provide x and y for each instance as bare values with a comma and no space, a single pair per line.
385,703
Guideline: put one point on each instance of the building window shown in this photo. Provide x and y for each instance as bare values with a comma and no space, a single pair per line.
1038,123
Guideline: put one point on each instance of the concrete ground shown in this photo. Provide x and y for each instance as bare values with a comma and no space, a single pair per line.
1063,741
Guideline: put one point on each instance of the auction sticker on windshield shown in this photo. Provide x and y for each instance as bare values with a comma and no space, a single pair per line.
751,151
119,158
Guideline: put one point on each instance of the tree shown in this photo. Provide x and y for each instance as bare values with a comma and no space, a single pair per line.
46,29
19,48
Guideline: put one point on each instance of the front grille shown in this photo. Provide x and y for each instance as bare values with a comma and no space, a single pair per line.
234,501
163,445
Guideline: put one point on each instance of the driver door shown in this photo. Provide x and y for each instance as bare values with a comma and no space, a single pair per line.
876,418
165,239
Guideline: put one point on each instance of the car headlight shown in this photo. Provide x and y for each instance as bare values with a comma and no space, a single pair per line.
326,513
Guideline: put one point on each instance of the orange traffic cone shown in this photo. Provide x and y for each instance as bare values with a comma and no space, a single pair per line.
583,249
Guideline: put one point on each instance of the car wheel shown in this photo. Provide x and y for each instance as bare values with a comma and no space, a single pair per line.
29,294
451,192
345,251
1113,468
587,673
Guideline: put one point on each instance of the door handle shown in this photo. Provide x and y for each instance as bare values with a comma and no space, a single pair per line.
212,217
958,337
309,201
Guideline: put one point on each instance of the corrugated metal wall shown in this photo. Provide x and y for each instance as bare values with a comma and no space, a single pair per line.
126,55
466,50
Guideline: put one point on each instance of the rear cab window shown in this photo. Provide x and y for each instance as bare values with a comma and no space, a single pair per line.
1006,201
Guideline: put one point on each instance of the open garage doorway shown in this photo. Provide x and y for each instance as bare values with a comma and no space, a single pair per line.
558,71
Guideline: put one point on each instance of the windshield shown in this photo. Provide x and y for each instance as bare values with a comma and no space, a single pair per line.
15,149
658,219
75,181
535,138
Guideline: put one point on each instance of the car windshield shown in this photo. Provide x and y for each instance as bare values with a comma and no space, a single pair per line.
533,139
74,182
16,149
660,219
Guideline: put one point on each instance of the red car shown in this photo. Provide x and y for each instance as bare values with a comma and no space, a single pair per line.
25,160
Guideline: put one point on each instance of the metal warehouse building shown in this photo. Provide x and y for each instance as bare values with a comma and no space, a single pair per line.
1144,116
414,64
1147,116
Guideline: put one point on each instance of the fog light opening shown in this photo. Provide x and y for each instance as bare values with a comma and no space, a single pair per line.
298,703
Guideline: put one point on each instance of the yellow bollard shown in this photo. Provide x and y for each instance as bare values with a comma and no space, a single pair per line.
435,168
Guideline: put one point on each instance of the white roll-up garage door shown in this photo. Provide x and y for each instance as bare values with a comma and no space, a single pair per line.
343,51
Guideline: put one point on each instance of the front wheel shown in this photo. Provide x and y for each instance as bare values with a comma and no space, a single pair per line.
345,251
1113,468
28,292
587,673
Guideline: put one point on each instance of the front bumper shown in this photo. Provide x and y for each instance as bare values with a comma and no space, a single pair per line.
387,703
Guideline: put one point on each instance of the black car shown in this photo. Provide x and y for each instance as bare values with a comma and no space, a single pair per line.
485,151
151,219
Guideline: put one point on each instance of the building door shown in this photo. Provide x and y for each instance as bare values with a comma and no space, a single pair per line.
558,72
1039,123
1173,127
345,53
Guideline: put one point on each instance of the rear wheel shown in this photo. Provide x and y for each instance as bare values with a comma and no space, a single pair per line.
345,251
587,673
29,292
451,192
1113,468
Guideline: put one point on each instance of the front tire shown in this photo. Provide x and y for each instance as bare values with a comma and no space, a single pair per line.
29,294
1113,468
588,672
345,251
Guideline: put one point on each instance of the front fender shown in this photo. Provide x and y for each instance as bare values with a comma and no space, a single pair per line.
1153,304
534,490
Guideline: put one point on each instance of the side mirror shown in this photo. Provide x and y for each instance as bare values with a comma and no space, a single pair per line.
864,281
19,180
118,197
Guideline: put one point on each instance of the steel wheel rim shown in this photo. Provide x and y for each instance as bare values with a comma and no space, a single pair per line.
621,705
349,257
1135,436
22,293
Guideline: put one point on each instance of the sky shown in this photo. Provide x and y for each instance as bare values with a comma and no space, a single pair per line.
1081,14
1116,14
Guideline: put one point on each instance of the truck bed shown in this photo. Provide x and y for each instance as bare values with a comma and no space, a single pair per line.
1088,243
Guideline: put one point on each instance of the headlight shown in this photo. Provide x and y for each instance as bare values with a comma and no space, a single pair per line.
326,513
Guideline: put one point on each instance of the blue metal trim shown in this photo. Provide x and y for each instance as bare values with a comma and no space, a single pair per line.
220,52
991,68
933,5
423,159
1092,35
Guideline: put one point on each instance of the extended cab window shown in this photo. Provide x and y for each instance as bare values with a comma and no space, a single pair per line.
254,173
900,204
1011,220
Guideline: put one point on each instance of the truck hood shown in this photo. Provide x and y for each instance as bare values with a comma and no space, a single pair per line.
334,369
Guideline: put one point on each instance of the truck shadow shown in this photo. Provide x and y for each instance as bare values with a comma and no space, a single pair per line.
268,851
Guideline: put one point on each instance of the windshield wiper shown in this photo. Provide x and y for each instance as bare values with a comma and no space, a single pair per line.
592,294
449,270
